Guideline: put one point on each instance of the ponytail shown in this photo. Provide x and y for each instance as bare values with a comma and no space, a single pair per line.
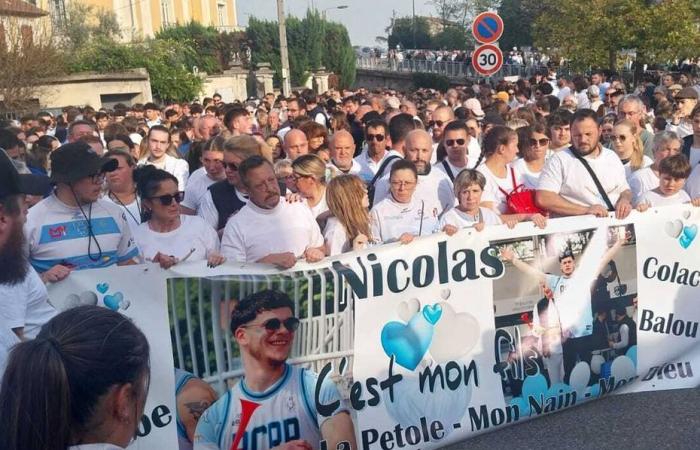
52,385
496,136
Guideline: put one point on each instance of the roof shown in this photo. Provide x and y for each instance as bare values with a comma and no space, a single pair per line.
20,8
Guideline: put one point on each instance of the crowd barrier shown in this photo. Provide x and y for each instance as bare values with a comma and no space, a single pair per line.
442,339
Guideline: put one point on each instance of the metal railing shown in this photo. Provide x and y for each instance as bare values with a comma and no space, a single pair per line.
456,69
199,312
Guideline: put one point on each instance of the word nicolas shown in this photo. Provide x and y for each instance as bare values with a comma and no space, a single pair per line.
424,270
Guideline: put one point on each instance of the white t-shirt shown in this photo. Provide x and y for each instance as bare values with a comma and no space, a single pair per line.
493,191
692,184
390,219
655,199
26,305
575,311
369,167
530,179
197,185
207,210
336,237
435,189
320,208
460,219
646,162
473,149
335,170
694,156
8,339
58,234
193,233
567,176
254,232
175,166
454,169
641,181
132,211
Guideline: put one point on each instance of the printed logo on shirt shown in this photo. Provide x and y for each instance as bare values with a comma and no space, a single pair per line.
57,232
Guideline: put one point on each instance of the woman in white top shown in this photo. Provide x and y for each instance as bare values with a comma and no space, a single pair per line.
121,189
666,143
629,147
82,382
400,216
533,145
309,173
348,229
468,186
498,150
166,236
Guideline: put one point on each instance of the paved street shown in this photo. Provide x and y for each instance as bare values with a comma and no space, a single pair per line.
652,420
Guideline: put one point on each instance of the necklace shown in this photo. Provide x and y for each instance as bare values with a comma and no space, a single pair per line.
114,196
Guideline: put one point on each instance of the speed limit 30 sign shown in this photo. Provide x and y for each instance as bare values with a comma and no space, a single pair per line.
487,59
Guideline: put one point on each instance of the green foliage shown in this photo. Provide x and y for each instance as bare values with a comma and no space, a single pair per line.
431,81
312,42
85,23
453,38
517,24
200,38
165,60
407,34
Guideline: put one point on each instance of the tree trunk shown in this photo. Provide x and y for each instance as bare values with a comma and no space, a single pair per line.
612,59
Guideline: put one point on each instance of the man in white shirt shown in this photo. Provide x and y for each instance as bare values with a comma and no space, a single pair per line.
24,305
559,129
456,141
212,170
268,229
372,158
342,147
566,188
158,145
434,187
152,113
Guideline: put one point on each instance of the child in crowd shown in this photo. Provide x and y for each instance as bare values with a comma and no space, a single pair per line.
673,172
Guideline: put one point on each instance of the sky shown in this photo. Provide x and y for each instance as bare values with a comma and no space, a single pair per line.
364,19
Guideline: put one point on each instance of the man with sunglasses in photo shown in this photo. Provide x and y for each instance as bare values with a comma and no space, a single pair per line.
263,325
456,141
73,228
378,150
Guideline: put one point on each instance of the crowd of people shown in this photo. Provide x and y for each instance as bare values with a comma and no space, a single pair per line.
280,179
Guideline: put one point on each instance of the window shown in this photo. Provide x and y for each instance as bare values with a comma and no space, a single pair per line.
222,14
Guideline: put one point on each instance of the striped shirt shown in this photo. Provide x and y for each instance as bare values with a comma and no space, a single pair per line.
59,234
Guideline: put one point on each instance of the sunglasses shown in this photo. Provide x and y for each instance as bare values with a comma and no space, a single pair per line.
618,137
454,142
230,166
539,142
377,137
439,123
290,323
167,199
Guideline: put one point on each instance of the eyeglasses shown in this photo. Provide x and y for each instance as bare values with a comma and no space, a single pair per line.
453,142
439,123
167,199
230,166
403,183
539,142
618,137
290,323
377,137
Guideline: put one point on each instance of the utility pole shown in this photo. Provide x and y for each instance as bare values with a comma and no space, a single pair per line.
286,86
414,24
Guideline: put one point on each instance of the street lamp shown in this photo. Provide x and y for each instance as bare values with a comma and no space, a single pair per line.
333,7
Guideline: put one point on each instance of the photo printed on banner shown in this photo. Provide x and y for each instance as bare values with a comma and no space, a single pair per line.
566,317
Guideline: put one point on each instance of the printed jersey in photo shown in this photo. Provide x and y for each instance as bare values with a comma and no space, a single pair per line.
287,412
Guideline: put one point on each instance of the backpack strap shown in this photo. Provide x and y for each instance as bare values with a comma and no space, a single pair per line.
448,170
382,168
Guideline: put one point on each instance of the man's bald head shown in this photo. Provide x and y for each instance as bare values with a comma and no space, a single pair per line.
295,144
419,150
341,137
208,127
342,147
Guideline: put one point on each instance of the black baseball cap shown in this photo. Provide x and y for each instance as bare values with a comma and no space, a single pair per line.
77,160
13,183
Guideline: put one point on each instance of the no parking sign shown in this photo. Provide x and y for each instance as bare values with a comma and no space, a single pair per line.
487,27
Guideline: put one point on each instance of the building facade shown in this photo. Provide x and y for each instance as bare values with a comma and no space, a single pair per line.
143,18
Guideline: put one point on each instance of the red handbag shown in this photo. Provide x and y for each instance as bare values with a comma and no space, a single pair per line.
520,200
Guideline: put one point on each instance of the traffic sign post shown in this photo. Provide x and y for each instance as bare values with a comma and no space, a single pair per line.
487,59
487,27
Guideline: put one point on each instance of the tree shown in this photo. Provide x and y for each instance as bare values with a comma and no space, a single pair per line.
85,23
453,38
597,30
410,35
29,58
517,23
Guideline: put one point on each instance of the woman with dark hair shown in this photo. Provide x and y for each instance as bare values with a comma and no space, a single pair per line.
166,236
82,382
533,145
121,188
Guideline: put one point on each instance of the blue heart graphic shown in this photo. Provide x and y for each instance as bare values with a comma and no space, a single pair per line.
408,343
102,288
684,241
432,313
112,301
690,232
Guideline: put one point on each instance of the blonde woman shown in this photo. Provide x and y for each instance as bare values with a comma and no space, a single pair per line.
348,229
629,147
309,173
